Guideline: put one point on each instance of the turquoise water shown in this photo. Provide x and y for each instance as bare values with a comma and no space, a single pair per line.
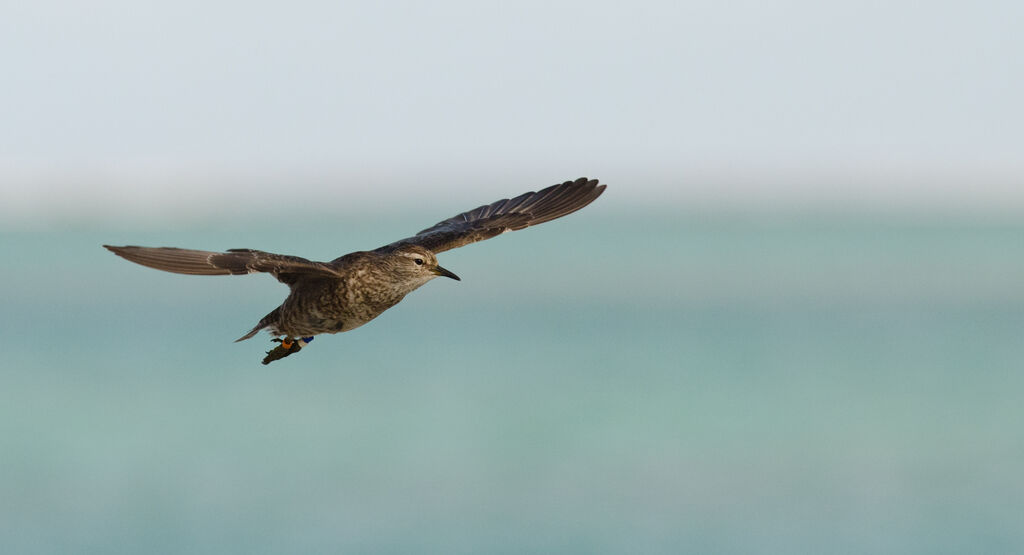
607,383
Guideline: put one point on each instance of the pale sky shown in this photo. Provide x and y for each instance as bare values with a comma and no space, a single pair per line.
117,106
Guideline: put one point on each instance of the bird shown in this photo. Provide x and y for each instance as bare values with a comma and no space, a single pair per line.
349,291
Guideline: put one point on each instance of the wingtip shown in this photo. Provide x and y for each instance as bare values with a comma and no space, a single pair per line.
589,188
598,187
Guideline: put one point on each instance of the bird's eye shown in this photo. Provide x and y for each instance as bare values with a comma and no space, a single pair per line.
419,261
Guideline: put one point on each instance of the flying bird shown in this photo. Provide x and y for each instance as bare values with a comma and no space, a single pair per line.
349,291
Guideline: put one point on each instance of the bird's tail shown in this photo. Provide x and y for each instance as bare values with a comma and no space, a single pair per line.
266,321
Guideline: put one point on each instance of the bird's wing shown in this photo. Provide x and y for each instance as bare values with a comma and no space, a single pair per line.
286,269
505,215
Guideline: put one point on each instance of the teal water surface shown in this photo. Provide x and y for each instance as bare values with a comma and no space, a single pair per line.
625,383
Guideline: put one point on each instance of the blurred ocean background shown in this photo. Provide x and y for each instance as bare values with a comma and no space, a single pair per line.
792,324
606,383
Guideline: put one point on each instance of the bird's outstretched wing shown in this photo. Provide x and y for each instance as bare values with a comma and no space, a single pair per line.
286,269
505,215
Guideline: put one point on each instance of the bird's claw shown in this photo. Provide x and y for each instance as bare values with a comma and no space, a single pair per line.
287,346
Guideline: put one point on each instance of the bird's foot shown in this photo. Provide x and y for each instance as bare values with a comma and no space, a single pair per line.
287,346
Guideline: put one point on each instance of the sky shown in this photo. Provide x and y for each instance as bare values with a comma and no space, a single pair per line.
133,112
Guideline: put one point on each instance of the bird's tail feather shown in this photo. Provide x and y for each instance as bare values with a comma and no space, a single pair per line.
265,322
249,335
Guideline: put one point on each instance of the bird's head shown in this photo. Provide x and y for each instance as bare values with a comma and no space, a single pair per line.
417,265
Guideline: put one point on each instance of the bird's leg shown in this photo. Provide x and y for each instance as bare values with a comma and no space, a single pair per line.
288,345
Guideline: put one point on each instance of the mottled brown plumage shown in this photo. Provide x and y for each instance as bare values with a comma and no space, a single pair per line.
347,292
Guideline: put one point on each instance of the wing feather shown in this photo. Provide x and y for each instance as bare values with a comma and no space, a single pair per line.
286,269
505,215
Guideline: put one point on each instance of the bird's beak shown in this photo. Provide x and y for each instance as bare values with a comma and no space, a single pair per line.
442,272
